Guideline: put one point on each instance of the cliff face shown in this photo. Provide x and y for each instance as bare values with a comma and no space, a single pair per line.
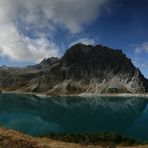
82,69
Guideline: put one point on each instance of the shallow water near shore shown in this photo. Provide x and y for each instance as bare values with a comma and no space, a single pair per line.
36,115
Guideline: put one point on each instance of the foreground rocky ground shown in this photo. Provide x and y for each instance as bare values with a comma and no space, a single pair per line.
13,139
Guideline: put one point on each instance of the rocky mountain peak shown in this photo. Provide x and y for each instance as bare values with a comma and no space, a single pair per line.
4,67
83,69
49,61
94,59
45,63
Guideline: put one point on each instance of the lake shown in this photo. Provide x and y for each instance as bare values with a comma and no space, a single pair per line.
36,115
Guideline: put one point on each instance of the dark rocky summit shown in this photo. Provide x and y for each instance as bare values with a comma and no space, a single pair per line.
82,69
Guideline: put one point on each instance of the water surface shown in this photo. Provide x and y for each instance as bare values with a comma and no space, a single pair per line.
38,115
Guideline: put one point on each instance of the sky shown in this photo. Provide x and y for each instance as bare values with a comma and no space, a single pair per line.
31,30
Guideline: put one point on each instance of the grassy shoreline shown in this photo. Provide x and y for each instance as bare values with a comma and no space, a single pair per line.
11,138
103,139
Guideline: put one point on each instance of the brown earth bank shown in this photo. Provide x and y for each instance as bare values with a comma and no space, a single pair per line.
14,139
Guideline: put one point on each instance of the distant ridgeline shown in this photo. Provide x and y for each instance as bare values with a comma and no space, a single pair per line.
83,69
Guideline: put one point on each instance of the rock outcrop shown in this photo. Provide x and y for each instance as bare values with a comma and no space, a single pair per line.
83,69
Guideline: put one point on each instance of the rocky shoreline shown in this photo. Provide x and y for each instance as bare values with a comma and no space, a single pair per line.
80,95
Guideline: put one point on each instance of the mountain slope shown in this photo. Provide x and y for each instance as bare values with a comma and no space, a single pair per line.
93,70
82,69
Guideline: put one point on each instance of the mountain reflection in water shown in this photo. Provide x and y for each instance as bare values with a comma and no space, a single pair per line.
37,115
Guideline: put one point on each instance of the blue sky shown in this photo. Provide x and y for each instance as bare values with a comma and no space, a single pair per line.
32,30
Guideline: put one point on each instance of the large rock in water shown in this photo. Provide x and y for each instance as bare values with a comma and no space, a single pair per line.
83,69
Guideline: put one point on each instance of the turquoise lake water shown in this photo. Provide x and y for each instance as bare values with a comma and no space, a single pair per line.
38,115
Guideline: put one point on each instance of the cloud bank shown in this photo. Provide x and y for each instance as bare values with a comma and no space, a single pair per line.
27,27
142,48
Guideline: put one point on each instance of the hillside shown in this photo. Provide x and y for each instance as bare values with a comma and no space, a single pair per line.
84,69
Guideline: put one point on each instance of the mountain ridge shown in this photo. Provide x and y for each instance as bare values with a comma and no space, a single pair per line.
83,69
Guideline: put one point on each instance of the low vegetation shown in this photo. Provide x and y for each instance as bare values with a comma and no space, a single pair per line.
94,138
14,139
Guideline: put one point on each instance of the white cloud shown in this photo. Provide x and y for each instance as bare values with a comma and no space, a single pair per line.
144,65
22,48
41,17
136,61
86,41
142,48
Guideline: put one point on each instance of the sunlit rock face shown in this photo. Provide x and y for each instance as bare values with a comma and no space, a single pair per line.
83,69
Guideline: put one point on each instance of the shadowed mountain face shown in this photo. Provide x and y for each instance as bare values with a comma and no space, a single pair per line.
82,69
